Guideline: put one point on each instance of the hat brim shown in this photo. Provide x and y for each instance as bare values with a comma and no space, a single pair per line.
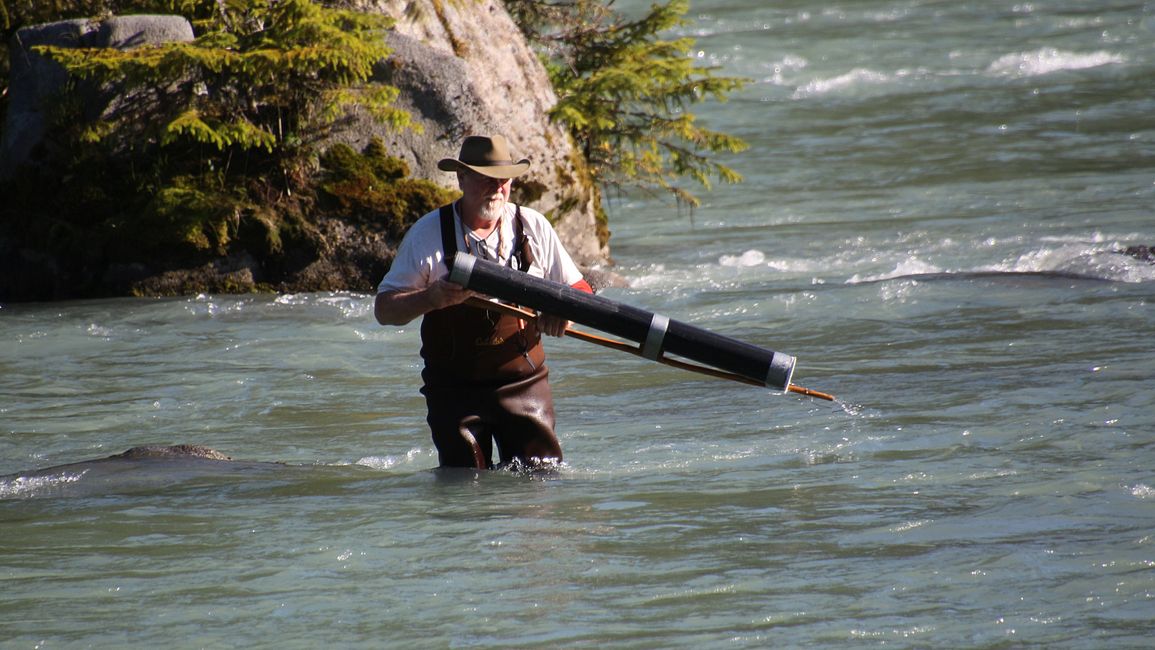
493,171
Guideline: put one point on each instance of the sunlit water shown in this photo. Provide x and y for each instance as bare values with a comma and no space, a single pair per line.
934,193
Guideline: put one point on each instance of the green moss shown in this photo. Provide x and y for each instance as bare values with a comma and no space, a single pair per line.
602,222
382,164
370,188
187,218
259,231
528,192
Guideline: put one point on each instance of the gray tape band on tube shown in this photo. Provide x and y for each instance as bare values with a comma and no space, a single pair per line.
462,268
652,348
781,371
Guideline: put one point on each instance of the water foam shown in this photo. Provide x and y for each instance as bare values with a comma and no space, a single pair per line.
856,78
389,462
1080,259
747,259
1094,257
23,486
1048,60
905,268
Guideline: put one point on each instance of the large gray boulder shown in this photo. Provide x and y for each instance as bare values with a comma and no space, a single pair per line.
464,68
35,81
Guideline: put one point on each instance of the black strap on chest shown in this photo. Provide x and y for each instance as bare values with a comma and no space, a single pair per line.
523,255
448,235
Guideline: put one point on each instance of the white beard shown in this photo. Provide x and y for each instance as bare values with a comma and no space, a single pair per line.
493,210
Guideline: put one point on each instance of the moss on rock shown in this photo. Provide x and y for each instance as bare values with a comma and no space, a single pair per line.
199,233
372,188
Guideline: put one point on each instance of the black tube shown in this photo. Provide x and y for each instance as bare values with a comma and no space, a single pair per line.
655,333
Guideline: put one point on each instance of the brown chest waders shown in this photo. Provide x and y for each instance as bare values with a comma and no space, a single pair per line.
485,377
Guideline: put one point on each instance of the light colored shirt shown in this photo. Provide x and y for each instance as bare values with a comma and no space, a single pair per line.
420,257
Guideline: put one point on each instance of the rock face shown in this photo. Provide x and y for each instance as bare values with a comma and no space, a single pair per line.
464,68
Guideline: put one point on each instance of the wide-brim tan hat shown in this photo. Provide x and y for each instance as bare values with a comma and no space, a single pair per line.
486,155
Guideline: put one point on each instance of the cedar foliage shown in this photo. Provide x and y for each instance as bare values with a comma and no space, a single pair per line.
624,93
264,79
207,148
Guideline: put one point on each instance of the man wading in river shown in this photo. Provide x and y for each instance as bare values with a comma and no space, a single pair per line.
485,377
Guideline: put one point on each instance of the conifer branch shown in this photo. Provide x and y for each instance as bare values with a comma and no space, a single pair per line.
624,93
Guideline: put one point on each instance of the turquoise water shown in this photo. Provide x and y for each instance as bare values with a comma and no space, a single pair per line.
933,195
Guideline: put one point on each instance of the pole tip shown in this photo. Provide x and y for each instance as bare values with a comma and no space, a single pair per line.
794,388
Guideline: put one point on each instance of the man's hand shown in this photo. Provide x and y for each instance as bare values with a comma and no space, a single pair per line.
551,325
443,293
401,307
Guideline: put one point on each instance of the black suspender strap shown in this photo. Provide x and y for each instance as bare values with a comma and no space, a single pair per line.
448,235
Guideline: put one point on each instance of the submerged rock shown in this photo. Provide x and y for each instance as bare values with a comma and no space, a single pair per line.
1141,253
141,453
173,451
146,469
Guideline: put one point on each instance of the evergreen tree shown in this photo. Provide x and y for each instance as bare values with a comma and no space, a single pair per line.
264,80
624,92
208,148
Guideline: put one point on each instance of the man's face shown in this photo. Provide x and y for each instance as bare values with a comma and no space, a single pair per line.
487,194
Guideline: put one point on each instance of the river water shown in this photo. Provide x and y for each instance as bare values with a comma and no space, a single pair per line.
934,193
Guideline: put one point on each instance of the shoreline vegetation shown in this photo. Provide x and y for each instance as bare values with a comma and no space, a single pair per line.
221,163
